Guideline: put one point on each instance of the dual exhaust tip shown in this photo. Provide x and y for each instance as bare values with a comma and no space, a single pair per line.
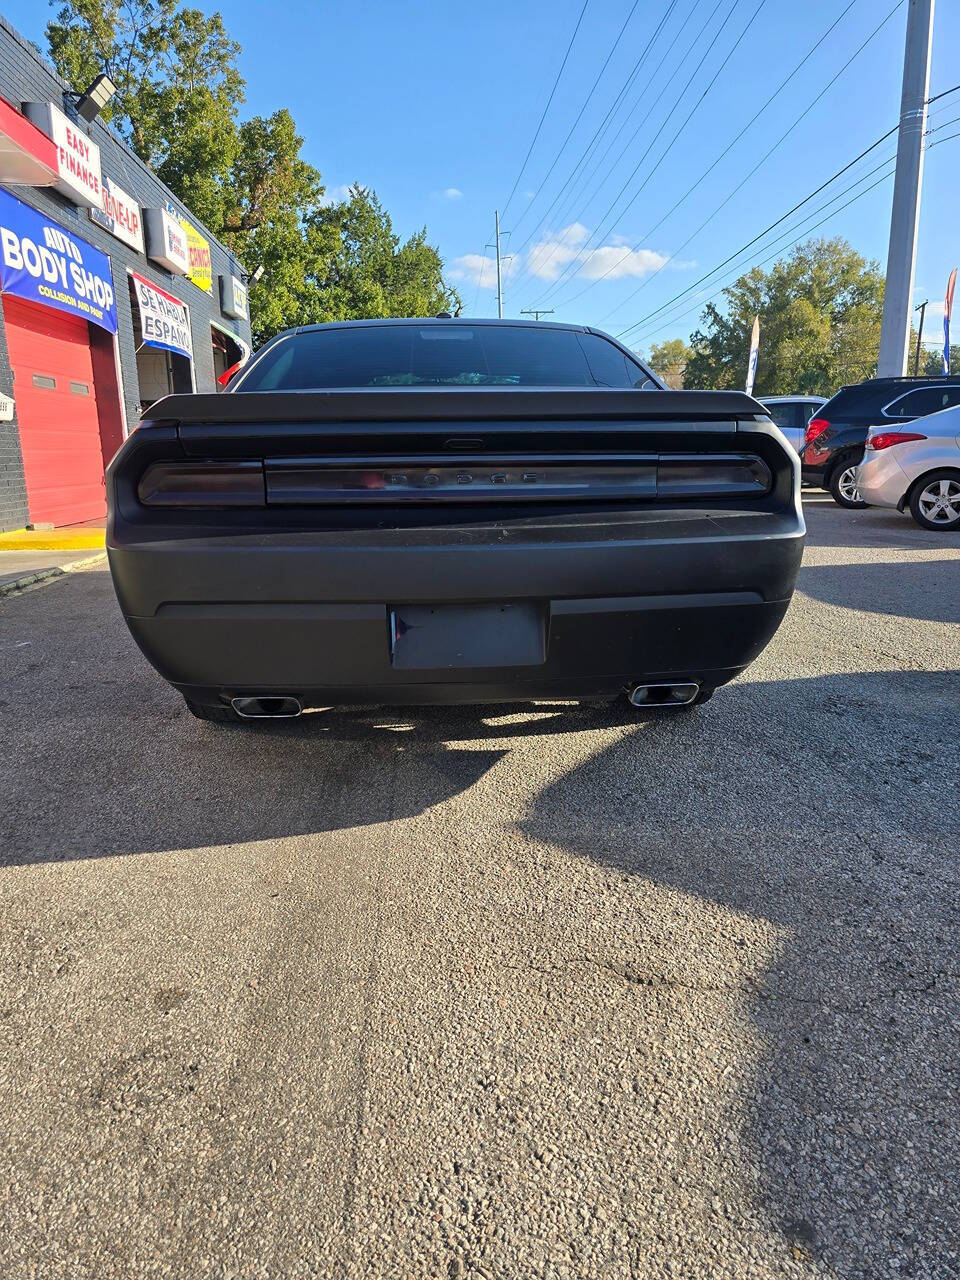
662,695
270,707
266,707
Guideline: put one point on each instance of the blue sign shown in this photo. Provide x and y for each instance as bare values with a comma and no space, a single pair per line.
43,262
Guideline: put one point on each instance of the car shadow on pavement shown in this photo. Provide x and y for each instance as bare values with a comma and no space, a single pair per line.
834,832
142,776
924,589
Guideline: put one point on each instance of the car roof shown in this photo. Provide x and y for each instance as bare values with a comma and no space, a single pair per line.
396,322
792,399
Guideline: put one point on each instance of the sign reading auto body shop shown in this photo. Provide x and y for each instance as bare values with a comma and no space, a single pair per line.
164,319
44,262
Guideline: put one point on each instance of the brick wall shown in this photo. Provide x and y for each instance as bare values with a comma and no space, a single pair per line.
25,76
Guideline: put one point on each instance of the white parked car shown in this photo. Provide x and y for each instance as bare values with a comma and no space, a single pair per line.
791,414
919,469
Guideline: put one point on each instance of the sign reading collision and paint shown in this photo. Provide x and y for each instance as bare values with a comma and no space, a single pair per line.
44,262
164,319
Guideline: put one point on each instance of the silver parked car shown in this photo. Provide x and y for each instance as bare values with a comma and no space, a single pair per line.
919,469
791,414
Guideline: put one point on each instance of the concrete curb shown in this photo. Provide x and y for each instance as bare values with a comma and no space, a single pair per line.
27,581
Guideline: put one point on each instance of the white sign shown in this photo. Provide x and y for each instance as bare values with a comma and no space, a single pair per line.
166,241
233,297
754,352
6,408
164,319
78,159
119,214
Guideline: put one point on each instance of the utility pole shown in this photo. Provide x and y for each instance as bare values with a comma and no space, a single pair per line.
532,311
922,308
499,269
905,215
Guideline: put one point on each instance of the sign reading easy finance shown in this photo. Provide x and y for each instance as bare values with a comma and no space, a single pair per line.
78,159
164,319
44,262
120,215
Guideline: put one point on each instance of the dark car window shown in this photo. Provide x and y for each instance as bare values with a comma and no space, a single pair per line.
784,415
608,364
440,355
917,404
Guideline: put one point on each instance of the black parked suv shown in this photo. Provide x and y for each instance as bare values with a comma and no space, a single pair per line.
835,438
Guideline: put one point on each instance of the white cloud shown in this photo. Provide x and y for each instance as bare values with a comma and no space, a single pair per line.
481,269
452,193
334,195
613,261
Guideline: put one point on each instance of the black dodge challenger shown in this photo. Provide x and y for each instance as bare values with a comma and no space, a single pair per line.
442,511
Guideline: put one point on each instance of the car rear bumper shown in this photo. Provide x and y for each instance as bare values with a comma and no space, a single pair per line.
881,479
692,594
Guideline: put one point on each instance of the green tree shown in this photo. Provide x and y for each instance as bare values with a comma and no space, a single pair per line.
820,312
669,361
931,362
371,273
178,87
178,99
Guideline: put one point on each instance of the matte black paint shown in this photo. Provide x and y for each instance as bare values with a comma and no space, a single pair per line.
299,600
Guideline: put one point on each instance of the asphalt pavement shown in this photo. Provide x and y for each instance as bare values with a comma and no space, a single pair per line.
490,992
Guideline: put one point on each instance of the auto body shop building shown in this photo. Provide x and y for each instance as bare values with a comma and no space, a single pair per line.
113,294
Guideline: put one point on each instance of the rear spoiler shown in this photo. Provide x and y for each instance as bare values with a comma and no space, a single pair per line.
400,404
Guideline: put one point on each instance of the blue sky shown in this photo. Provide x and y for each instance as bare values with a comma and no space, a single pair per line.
434,105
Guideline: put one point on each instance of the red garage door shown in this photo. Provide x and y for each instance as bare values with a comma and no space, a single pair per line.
56,409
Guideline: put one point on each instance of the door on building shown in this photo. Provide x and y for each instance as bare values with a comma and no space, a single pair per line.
56,406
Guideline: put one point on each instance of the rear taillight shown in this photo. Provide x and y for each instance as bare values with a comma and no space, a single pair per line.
202,484
228,374
816,427
884,439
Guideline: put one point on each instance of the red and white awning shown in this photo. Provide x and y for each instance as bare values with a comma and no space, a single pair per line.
28,158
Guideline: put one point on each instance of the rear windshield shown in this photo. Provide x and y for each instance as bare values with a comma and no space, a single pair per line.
442,355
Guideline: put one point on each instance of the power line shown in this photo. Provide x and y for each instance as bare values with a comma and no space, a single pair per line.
546,108
588,178
614,107
789,213
572,266
690,190
765,232
781,246
762,161
787,243
579,115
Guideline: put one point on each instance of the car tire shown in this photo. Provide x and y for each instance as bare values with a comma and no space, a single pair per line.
927,495
215,715
843,487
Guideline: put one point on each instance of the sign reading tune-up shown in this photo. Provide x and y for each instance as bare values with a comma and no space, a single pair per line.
78,159
164,319
46,263
120,215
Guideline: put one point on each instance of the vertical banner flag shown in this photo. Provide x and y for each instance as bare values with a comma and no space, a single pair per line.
754,352
947,308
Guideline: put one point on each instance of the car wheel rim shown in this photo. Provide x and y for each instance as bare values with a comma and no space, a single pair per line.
940,501
847,484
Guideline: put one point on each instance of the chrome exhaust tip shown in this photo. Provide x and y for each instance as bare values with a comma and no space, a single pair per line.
662,695
266,707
